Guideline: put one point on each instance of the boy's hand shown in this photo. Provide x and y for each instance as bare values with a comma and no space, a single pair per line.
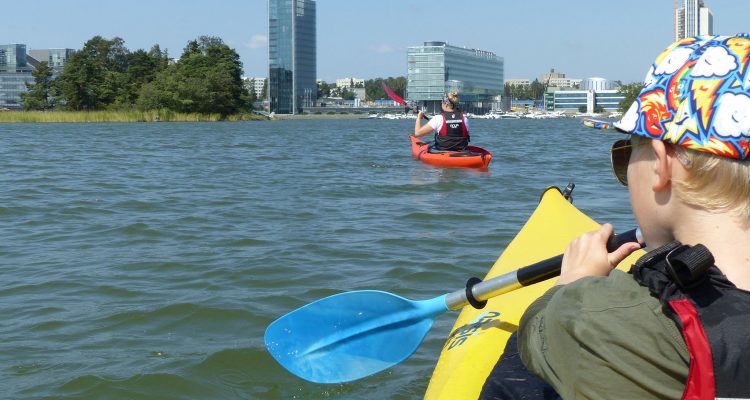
588,256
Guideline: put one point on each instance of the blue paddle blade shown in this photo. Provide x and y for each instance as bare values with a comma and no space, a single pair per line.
351,335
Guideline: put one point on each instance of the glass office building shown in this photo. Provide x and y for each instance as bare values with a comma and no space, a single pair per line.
291,55
437,67
14,74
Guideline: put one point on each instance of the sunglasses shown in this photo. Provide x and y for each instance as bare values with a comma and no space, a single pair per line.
620,157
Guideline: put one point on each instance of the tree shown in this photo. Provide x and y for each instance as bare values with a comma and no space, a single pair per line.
38,95
93,78
374,87
347,94
207,79
631,92
324,89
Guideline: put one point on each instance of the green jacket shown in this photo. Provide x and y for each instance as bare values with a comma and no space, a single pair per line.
604,338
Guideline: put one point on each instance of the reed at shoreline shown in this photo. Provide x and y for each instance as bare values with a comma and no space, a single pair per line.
119,116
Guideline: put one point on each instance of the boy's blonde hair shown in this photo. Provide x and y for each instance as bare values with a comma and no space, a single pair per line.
715,183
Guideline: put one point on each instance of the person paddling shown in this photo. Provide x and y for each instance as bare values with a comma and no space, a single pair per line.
676,325
450,126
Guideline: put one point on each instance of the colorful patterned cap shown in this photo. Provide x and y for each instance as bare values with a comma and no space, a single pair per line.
697,95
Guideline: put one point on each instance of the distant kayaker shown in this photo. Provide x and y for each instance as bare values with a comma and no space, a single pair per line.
450,126
676,325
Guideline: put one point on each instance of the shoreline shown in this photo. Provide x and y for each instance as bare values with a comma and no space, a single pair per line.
120,116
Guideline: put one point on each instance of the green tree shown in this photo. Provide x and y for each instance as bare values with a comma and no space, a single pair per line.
347,94
631,92
93,77
374,87
38,95
207,79
324,89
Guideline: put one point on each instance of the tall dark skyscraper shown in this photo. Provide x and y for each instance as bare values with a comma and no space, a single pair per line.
291,55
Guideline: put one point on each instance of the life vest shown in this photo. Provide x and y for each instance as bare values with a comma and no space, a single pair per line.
453,125
712,313
453,133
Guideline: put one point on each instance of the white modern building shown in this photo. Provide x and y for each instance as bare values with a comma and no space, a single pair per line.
256,85
518,82
692,18
350,83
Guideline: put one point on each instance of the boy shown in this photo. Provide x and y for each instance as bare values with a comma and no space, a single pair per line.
675,326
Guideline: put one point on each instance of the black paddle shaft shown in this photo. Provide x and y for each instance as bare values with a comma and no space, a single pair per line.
477,292
550,267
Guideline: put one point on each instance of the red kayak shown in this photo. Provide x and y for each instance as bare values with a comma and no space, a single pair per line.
473,157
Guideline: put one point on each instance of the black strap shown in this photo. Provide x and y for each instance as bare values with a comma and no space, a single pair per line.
470,296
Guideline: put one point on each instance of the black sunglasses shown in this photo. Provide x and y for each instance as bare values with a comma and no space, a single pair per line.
620,157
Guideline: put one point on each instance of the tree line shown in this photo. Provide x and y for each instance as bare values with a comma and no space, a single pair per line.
105,75
373,89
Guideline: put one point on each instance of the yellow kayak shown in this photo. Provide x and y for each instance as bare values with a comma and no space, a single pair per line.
478,337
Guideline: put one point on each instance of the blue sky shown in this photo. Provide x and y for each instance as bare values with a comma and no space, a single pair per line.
614,39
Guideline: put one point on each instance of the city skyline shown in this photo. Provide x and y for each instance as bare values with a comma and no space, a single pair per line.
581,38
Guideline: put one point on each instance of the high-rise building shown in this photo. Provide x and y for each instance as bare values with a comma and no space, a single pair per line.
291,55
437,67
15,72
692,18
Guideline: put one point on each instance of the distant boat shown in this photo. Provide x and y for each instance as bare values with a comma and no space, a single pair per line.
597,124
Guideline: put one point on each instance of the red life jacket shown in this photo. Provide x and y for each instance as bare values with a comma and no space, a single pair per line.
712,313
453,125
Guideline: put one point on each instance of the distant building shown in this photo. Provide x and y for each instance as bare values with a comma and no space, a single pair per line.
551,75
518,82
572,101
256,84
15,72
693,18
55,58
437,67
350,83
291,55
597,84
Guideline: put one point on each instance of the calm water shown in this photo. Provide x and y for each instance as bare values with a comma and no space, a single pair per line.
144,261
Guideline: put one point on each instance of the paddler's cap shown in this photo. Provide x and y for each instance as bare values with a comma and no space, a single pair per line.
697,95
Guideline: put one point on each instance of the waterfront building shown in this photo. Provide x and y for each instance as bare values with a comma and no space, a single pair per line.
291,55
437,67
15,72
572,101
692,18
350,83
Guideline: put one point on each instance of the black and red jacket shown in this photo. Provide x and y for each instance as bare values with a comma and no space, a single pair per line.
712,313
453,134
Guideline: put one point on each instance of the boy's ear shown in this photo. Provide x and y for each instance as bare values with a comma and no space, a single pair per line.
663,169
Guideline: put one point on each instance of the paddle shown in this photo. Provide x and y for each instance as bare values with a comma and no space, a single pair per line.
351,335
401,101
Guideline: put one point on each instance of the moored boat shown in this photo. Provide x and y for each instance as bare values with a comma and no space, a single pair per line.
473,157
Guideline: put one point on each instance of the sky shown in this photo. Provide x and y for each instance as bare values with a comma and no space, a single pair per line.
613,39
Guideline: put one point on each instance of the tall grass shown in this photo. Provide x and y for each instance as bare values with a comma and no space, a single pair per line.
120,116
